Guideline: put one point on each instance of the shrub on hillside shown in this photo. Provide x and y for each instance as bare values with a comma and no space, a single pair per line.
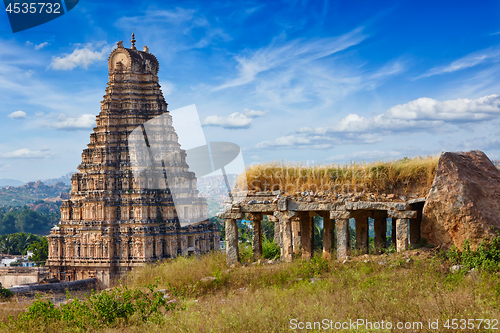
486,257
270,250
5,293
105,309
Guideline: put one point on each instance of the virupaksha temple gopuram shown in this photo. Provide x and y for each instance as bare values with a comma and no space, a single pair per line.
114,221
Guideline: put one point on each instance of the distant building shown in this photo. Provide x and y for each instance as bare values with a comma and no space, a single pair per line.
113,223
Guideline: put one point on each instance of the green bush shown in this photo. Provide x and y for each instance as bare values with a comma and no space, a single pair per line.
486,257
245,252
5,293
270,250
105,309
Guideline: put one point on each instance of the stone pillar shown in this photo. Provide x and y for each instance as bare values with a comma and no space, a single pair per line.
380,229
307,235
402,219
256,219
232,251
343,237
401,235
328,237
362,233
286,234
297,243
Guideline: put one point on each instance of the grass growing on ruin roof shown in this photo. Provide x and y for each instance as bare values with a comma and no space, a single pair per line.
400,176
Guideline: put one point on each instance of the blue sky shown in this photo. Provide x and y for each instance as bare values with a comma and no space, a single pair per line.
302,81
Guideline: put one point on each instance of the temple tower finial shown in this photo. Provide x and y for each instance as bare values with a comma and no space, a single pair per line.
132,41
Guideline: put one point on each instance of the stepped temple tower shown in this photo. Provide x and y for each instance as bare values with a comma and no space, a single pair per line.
116,218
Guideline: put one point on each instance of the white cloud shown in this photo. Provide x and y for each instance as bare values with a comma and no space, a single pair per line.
63,122
17,115
27,153
82,57
41,45
475,58
37,46
181,29
254,113
482,108
296,52
423,114
235,120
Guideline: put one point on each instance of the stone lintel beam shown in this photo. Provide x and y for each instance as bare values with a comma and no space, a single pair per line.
340,214
267,193
232,251
259,208
285,219
368,205
311,206
407,214
230,215
417,200
254,216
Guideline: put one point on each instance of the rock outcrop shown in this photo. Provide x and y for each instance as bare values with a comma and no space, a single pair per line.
464,200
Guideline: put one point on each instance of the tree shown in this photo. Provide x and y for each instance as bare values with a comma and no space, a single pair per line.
220,224
40,251
23,240
318,232
28,220
7,244
8,223
268,228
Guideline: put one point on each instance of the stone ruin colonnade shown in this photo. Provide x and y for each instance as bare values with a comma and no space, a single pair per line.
294,225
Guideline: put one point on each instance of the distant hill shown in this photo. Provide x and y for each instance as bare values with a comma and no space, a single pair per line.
214,189
35,193
66,179
10,182
496,163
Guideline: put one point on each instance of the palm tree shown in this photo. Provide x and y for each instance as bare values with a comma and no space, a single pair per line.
23,240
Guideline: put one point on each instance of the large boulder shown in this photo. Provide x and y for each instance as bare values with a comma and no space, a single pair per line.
464,200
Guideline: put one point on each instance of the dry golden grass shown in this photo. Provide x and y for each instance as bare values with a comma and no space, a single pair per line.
266,298
401,176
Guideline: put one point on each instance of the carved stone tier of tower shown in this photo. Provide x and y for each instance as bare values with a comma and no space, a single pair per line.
115,221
